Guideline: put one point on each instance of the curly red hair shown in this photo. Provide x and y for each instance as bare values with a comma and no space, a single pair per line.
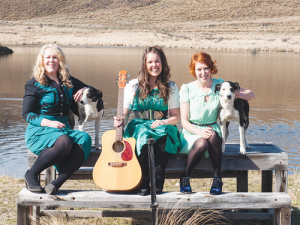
205,58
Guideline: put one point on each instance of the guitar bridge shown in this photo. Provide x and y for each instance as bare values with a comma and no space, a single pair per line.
117,164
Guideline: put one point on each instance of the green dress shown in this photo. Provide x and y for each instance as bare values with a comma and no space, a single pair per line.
141,129
52,102
201,112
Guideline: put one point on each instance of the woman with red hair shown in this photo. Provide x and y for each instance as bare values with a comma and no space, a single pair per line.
201,135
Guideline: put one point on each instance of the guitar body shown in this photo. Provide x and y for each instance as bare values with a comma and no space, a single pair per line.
117,168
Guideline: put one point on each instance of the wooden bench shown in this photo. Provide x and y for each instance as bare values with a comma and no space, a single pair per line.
265,157
99,199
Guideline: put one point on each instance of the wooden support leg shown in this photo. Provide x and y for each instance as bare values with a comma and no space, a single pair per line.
22,215
267,181
282,216
35,214
276,217
286,216
242,182
50,174
281,178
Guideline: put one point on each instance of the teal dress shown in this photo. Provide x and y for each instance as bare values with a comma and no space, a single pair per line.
141,129
51,102
201,112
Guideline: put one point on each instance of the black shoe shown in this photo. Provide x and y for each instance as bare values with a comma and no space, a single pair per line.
144,191
216,187
144,188
32,183
185,186
50,189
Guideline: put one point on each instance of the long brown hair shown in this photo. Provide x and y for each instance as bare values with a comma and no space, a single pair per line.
63,70
162,79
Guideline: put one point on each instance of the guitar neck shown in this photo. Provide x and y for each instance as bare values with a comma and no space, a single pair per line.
119,130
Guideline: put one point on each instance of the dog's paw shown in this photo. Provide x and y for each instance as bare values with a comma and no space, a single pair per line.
97,147
242,151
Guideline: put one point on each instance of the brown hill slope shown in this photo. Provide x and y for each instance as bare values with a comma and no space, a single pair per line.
158,10
220,24
20,9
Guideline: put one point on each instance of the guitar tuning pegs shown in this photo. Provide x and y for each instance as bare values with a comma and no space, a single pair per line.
128,75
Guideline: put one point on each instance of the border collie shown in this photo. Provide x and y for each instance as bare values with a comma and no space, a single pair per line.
232,109
90,107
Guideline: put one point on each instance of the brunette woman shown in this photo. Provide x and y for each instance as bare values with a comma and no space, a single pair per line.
154,99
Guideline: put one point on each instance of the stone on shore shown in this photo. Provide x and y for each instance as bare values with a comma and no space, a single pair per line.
5,50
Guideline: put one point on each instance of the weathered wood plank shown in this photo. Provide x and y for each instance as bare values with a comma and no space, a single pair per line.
285,216
99,214
255,159
21,215
101,199
148,214
281,181
276,218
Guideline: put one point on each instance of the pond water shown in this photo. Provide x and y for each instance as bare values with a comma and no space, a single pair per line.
274,77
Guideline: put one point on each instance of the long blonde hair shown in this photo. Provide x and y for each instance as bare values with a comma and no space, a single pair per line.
63,70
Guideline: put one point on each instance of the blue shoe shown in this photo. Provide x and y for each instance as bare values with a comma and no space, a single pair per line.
216,187
185,186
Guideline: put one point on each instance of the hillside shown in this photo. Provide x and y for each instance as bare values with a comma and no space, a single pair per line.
219,24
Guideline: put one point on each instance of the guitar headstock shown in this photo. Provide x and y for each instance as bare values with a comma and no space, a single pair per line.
122,78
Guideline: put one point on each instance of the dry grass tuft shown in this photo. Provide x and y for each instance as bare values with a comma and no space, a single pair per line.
180,216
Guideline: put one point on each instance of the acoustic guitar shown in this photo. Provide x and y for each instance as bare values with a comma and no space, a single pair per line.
117,168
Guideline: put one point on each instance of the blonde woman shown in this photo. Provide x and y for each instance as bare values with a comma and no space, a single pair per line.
49,95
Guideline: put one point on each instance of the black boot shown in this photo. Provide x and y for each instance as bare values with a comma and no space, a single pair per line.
160,180
144,188
32,183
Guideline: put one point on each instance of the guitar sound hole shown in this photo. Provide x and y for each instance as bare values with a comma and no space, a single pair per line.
118,146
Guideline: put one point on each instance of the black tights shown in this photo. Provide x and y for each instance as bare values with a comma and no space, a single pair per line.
214,146
161,158
67,155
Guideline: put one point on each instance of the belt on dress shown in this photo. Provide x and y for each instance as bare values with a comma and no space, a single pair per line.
201,124
151,114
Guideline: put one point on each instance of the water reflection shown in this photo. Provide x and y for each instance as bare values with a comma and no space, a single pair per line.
273,77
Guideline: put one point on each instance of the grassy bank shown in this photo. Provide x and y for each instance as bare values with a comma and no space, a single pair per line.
10,188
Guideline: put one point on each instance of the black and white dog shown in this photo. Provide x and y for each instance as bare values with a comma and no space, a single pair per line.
90,107
232,109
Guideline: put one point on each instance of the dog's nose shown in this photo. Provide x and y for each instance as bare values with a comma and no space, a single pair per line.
229,96
81,102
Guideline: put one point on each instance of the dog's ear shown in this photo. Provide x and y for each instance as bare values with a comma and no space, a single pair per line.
217,87
236,86
99,94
